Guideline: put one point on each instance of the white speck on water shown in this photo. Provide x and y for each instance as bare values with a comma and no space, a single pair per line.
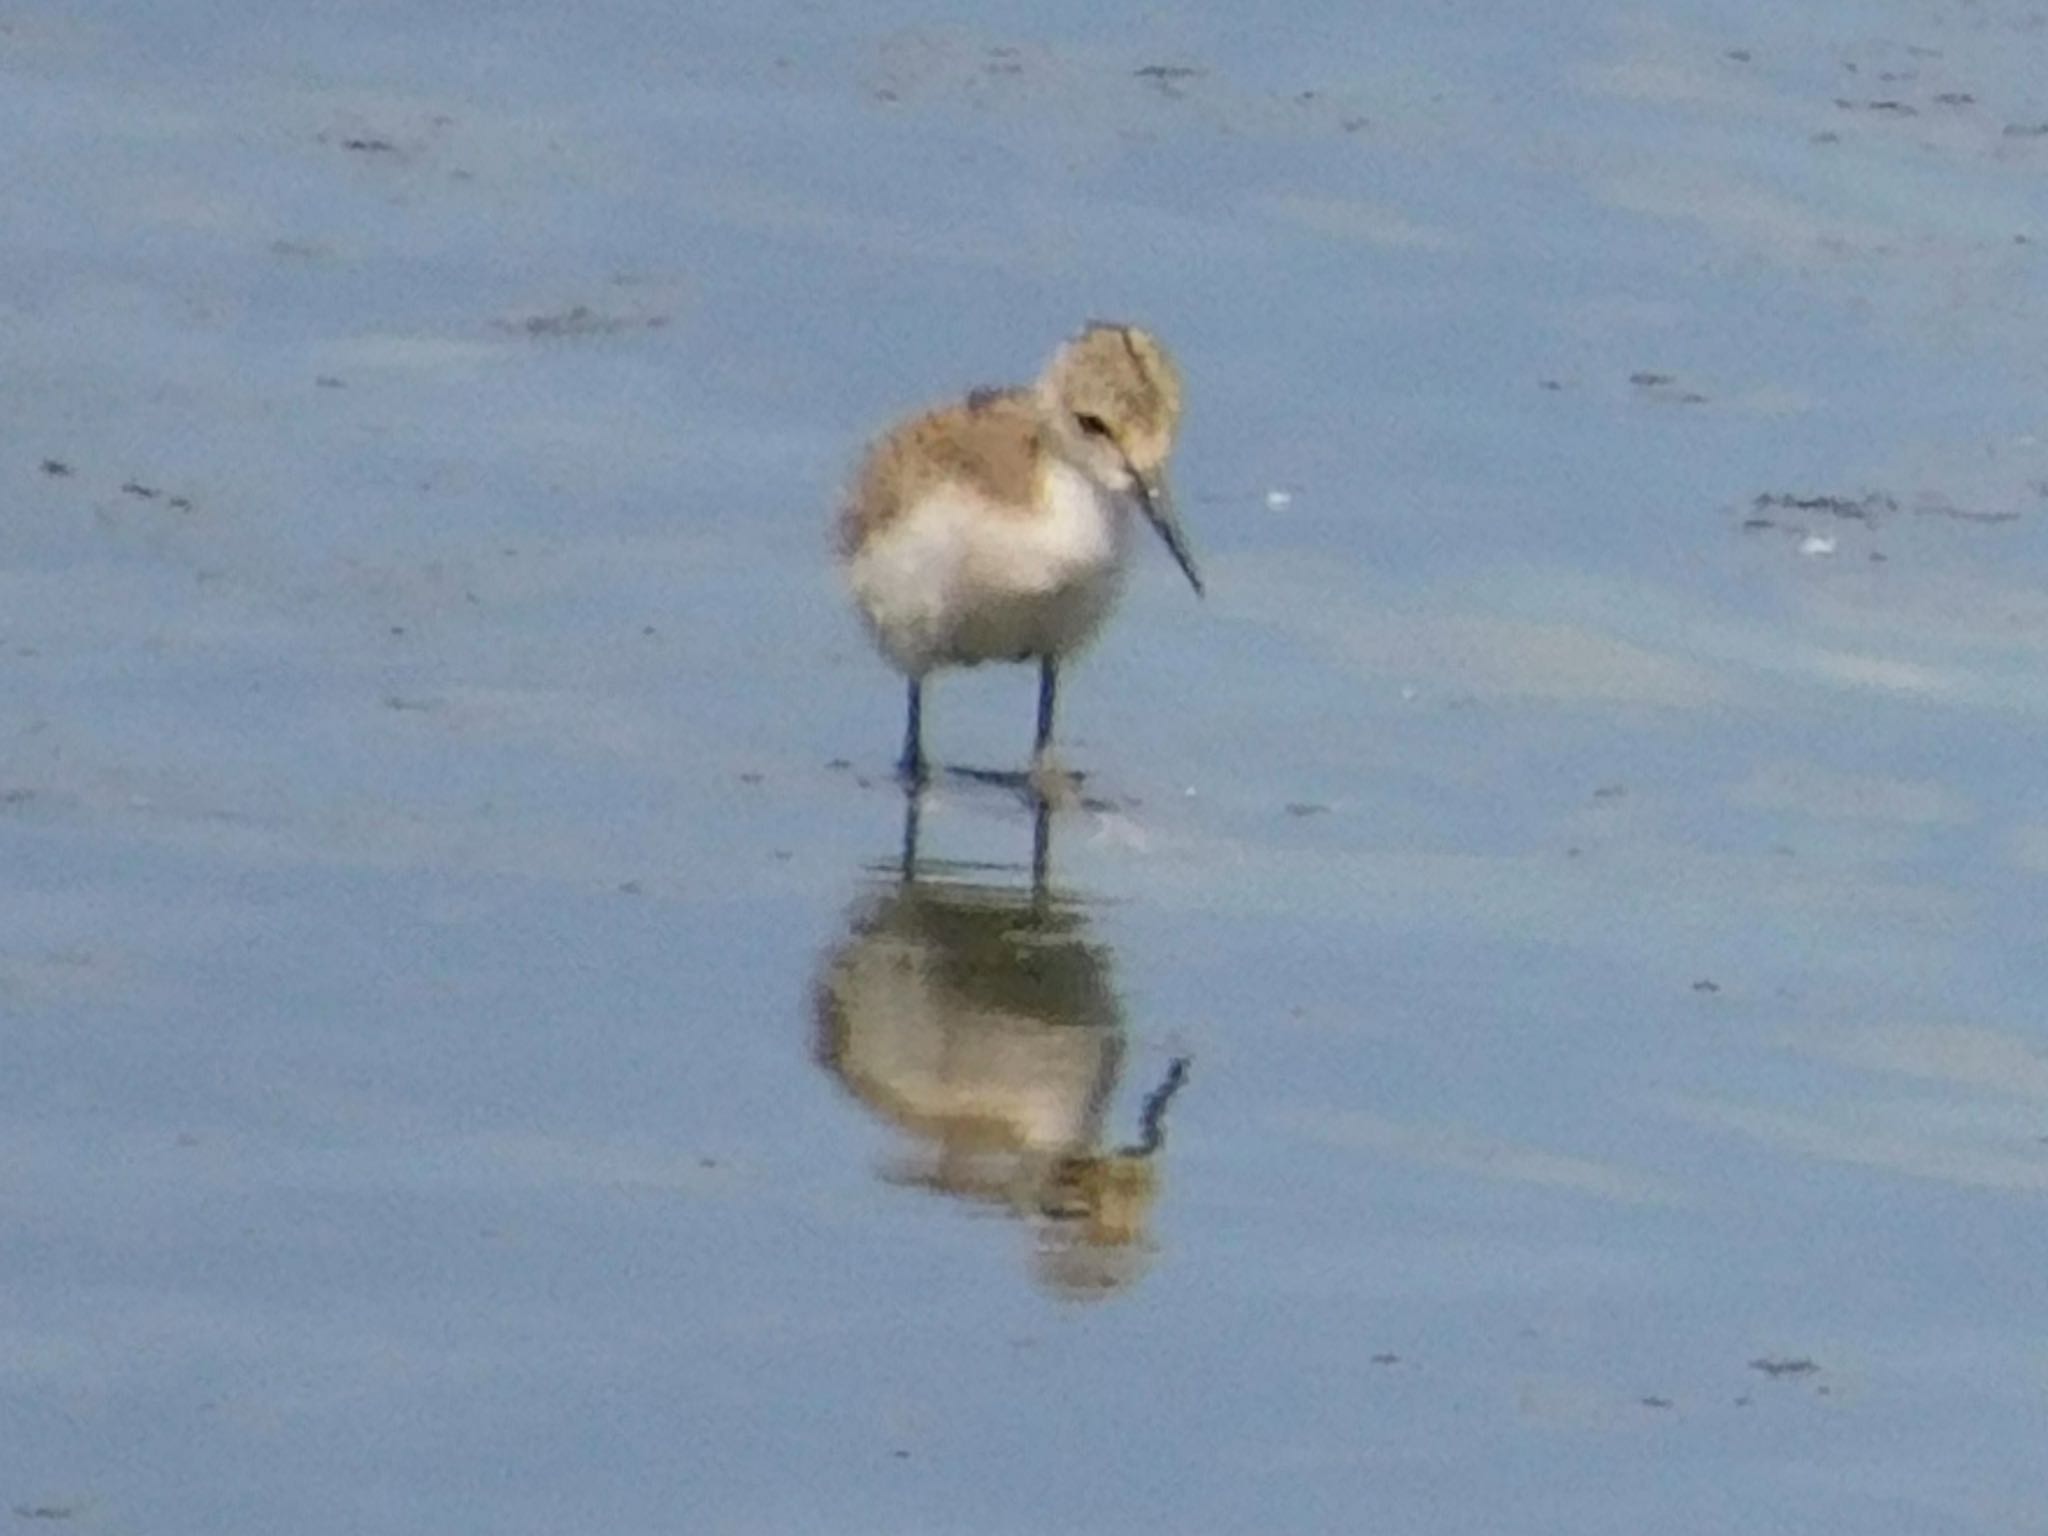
1817,544
1279,501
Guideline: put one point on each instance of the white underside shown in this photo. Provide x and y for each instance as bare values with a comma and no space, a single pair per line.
955,581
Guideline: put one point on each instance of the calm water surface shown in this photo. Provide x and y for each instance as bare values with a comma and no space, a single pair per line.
1536,1025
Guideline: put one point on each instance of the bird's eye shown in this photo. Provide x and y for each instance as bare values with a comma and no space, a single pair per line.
1094,426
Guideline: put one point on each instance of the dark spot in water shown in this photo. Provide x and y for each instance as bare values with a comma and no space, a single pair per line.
1857,509
1937,506
56,468
580,320
1654,1402
137,488
1386,1358
1659,386
1307,808
370,146
1706,984
1167,79
2026,130
1784,1365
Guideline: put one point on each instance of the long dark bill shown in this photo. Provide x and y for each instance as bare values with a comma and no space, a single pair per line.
1157,499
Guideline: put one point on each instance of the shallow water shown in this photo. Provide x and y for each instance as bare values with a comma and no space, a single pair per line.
472,1062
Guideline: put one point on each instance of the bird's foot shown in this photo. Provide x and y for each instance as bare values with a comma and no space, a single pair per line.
1051,782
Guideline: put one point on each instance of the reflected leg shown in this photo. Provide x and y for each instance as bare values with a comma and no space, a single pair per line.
1041,844
913,807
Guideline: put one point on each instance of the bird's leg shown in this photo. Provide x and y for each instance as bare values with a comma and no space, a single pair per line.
910,768
1048,691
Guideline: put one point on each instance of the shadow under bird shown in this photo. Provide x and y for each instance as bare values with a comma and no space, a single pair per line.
998,527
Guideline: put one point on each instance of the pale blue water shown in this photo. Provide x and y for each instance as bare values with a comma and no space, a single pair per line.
465,1063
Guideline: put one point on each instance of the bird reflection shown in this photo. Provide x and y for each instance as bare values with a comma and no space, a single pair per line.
982,1022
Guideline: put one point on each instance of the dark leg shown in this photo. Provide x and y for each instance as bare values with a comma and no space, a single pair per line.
913,806
910,768
1048,689
1041,846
